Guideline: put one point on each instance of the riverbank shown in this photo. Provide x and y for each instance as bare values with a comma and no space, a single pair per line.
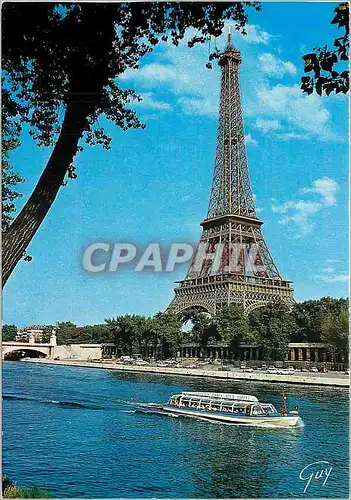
305,379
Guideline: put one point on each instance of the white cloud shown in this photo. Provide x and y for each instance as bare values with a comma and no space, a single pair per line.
305,207
250,140
301,113
198,106
180,75
274,66
300,212
327,188
327,270
183,73
333,261
330,275
153,72
267,125
292,135
256,35
334,278
149,102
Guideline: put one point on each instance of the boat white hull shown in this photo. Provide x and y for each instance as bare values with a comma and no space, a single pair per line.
282,421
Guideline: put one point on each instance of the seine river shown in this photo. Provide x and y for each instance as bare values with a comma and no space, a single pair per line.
73,431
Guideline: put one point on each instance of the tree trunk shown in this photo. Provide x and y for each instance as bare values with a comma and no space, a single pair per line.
19,235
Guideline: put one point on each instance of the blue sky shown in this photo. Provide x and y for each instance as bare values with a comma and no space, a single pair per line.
153,185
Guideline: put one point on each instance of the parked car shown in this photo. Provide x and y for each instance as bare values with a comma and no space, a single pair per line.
314,369
347,371
190,366
264,367
126,359
248,370
242,366
272,370
141,362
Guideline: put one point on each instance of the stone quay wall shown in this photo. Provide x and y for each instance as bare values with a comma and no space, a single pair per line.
304,379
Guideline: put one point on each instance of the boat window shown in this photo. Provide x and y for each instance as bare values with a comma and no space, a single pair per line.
216,406
238,407
227,407
257,410
205,405
269,409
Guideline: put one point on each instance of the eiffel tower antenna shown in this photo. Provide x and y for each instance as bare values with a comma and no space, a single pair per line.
232,263
229,36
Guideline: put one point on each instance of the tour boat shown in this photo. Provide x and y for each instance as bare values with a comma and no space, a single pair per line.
231,408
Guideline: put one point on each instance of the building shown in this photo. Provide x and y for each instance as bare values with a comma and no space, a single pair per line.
31,332
232,263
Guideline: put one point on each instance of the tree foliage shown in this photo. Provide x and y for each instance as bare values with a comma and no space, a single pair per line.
63,60
232,324
204,328
133,332
273,326
335,327
329,66
69,333
317,319
10,140
8,333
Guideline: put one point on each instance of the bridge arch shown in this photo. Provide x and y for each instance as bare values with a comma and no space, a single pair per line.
15,353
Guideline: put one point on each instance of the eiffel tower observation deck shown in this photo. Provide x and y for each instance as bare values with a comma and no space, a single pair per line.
232,263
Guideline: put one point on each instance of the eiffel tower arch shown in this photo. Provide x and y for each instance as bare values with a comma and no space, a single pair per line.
232,263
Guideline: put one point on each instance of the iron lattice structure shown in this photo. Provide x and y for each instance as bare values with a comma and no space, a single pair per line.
232,263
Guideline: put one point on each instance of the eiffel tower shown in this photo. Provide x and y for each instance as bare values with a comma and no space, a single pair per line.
232,263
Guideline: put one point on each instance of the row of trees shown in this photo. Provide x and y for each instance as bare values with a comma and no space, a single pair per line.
271,327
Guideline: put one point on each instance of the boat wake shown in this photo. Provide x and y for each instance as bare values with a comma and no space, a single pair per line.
63,404
155,412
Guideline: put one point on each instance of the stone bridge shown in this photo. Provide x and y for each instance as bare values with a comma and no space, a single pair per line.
47,350
51,350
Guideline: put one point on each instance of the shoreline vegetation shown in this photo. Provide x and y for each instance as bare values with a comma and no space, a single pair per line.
270,329
11,490
304,379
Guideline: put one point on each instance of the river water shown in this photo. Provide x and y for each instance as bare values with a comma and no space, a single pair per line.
74,431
